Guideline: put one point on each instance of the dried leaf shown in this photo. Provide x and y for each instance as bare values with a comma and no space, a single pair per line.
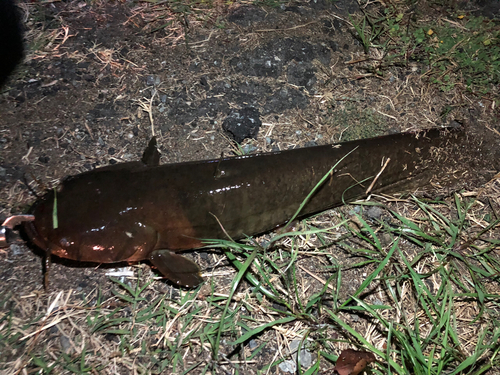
353,362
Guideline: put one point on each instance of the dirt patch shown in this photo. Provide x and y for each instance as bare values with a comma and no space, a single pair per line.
95,87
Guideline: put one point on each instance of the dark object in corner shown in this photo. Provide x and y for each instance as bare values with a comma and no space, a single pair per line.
11,39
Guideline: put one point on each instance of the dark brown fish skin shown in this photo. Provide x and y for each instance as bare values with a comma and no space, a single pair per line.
126,211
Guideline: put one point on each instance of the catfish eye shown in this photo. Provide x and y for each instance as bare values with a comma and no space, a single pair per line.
64,242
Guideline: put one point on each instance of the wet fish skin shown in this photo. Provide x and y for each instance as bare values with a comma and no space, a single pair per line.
143,210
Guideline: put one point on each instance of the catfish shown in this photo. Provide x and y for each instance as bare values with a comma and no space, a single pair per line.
146,211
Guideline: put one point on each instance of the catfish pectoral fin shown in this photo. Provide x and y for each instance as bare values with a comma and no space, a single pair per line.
176,268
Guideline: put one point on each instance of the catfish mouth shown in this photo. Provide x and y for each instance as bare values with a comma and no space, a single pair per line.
41,209
33,235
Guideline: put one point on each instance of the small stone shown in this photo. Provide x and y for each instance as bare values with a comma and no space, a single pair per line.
152,80
374,213
111,337
265,244
305,356
83,65
288,366
43,159
248,149
252,344
310,144
279,307
65,343
355,210
16,250
243,123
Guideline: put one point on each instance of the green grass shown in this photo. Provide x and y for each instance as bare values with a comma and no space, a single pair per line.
460,276
425,337
456,50
398,287
355,123
468,56
420,288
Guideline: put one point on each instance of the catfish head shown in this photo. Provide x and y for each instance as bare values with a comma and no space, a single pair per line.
82,222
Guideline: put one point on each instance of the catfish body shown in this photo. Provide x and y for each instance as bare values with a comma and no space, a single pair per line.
143,210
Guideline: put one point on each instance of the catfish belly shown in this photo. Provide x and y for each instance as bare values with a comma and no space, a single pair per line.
129,211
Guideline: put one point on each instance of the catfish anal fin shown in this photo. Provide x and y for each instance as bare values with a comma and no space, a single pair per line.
151,155
176,268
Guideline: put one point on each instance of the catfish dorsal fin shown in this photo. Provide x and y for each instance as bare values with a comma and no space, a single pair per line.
151,156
